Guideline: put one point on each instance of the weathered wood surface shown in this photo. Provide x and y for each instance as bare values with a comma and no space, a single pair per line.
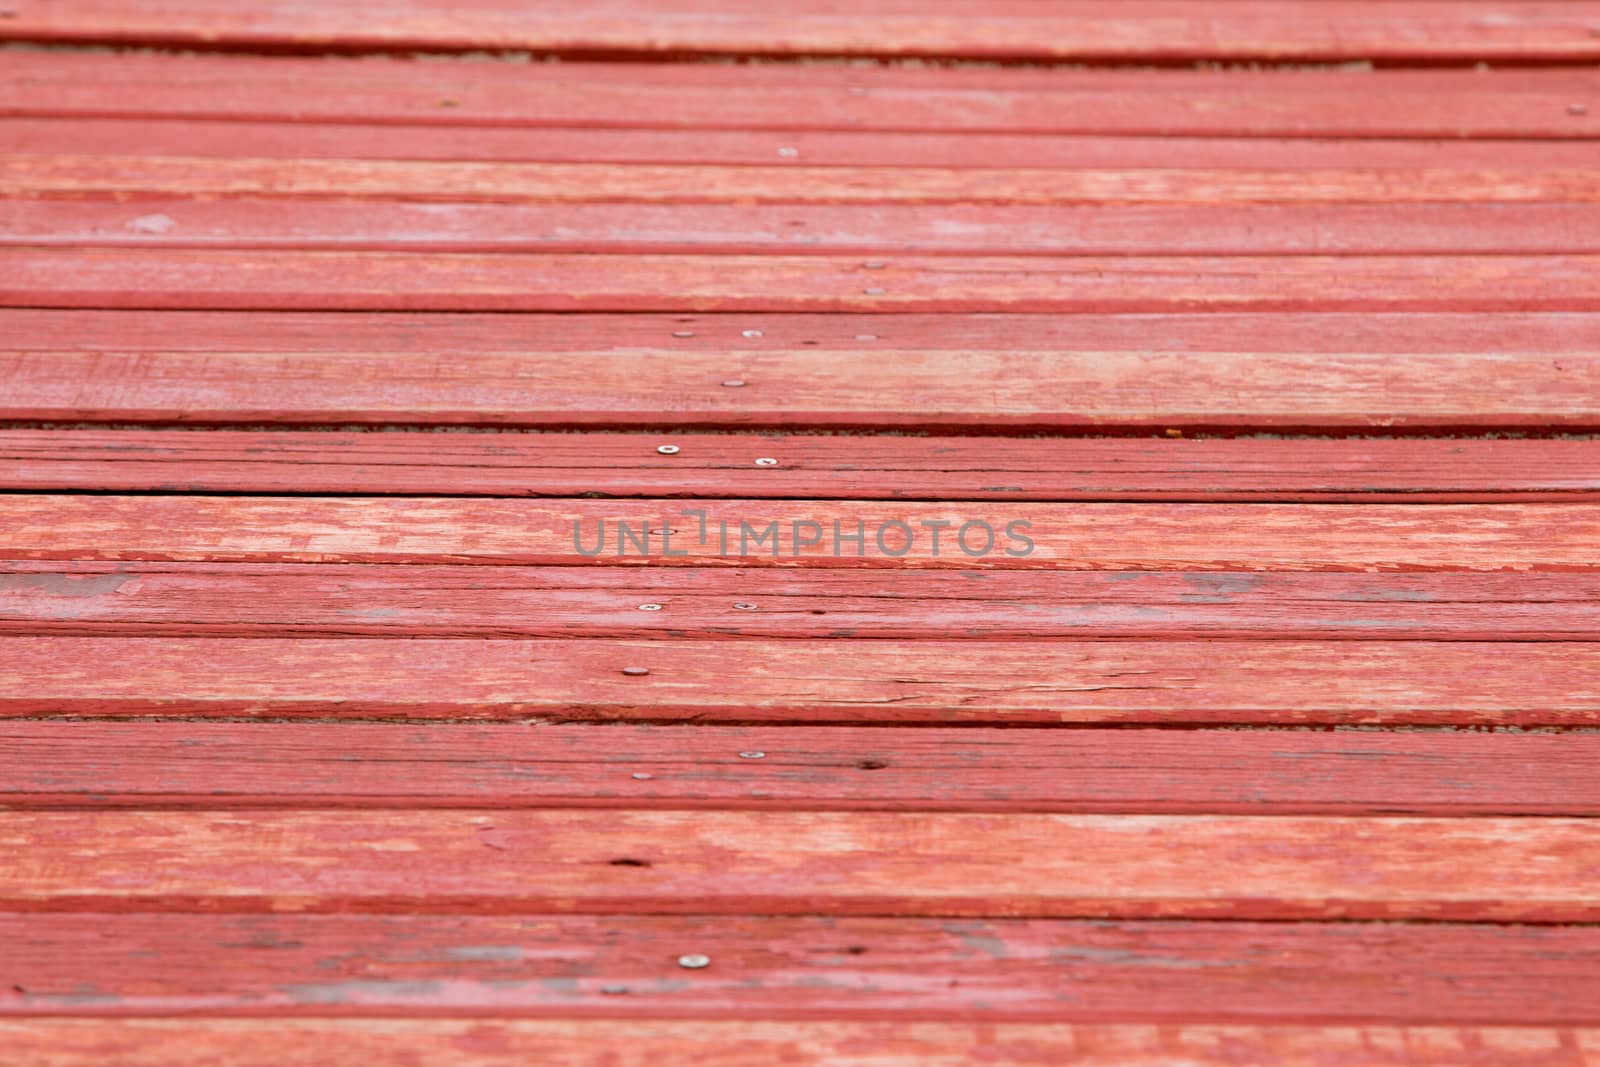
740,228
501,767
718,1043
1561,335
1143,30
870,380
308,139
1359,975
144,599
204,279
100,176
477,1043
318,742
627,861
864,681
1536,104
856,467
1031,536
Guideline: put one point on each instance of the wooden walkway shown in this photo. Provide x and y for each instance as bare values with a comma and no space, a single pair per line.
699,533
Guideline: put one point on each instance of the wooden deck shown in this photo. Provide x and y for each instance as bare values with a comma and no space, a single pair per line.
708,534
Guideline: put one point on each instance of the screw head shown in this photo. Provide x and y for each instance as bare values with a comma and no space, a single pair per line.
640,776
874,291
876,264
750,333
752,755
787,152
866,337
636,672
733,383
649,607
683,333
668,450
744,605
766,461
694,961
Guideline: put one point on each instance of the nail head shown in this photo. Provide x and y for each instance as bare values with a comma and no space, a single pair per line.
635,672
744,605
733,383
649,607
752,755
766,461
694,961
668,450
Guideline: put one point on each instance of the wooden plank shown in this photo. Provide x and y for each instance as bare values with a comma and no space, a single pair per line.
973,536
857,682
1296,372
102,765
858,467
374,600
1538,104
1154,230
876,148
1564,334
625,861
1148,30
1357,975
711,1043
201,279
104,176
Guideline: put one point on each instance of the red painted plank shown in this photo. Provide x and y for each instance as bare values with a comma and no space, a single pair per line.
956,229
805,863
1564,334
202,279
365,765
1293,372
1448,104
969,148
1021,536
1358,975
1149,30
720,1043
860,467
371,600
454,182
846,682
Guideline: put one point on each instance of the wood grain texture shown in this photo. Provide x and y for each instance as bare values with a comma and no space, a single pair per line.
202,279
625,861
421,334
1113,536
1360,975
307,139
104,765
145,599
859,467
871,378
1149,30
853,682
739,228
107,176
634,1043
1530,104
